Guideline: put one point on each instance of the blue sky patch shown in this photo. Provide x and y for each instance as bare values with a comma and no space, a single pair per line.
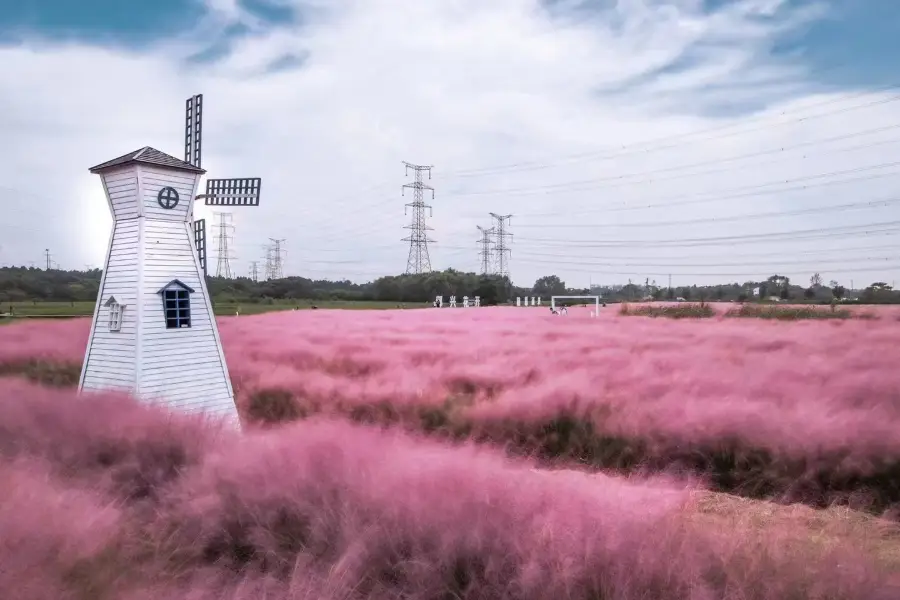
104,22
856,44
270,12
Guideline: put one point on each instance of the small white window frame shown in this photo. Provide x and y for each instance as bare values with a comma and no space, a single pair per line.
116,312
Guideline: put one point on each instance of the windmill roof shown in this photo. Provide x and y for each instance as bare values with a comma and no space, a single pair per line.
150,156
175,283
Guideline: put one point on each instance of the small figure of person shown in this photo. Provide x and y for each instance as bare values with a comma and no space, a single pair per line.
564,311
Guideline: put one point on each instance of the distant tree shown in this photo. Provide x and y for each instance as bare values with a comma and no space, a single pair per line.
837,291
879,293
630,291
491,290
809,293
815,281
779,284
549,285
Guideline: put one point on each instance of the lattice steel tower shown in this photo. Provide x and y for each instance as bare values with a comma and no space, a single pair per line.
485,251
275,260
223,253
503,251
418,261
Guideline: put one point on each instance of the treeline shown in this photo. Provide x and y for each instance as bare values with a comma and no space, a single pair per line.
21,284
393,288
776,288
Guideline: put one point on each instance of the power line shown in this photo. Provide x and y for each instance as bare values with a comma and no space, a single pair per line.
652,175
782,213
798,184
653,145
555,188
885,227
418,261
761,273
485,250
504,252
223,253
809,262
751,192
813,143
745,258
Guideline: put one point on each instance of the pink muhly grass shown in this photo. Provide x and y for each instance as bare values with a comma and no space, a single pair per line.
325,509
109,442
56,541
62,340
815,391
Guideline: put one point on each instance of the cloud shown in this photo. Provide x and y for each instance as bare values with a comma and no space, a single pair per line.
326,105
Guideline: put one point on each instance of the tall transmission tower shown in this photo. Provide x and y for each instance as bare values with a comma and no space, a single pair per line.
268,268
275,260
223,253
418,261
47,256
254,271
485,252
503,251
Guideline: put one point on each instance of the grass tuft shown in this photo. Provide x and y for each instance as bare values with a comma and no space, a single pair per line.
787,313
54,374
669,311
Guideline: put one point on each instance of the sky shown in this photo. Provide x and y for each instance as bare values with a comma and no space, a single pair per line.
702,140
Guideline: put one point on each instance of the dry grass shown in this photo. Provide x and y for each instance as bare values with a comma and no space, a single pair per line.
791,313
669,311
814,532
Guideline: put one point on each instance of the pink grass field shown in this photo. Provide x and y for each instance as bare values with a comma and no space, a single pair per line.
795,389
102,498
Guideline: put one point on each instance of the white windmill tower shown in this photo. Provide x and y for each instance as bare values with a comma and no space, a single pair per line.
154,333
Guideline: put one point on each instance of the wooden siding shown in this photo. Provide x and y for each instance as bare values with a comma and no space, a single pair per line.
183,366
122,188
110,359
154,179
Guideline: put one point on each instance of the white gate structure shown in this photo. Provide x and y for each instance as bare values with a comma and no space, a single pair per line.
596,299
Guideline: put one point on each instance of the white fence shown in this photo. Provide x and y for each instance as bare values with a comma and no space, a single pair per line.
473,302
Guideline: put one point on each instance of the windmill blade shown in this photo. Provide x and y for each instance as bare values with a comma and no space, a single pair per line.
200,241
233,192
193,128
